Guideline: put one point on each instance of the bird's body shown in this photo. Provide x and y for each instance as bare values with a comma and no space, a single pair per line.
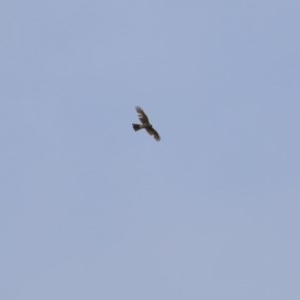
145,124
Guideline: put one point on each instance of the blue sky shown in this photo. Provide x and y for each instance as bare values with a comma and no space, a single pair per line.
90,209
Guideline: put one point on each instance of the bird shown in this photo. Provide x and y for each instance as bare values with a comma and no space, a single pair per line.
145,124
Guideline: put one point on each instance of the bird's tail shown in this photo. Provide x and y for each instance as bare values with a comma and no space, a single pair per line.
136,127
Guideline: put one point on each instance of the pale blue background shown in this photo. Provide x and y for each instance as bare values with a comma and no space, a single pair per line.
91,210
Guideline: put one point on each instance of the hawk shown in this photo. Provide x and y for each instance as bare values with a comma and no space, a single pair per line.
145,124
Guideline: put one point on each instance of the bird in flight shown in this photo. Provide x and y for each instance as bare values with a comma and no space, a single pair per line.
145,124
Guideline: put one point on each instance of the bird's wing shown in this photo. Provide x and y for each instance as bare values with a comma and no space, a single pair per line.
142,116
154,133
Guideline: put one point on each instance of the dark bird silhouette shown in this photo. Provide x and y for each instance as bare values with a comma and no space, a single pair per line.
145,124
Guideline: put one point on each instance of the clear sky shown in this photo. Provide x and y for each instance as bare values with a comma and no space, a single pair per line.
89,209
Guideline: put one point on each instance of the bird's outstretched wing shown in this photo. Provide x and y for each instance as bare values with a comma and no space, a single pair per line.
154,133
142,116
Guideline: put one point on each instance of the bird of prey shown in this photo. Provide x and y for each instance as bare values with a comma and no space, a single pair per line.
145,124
